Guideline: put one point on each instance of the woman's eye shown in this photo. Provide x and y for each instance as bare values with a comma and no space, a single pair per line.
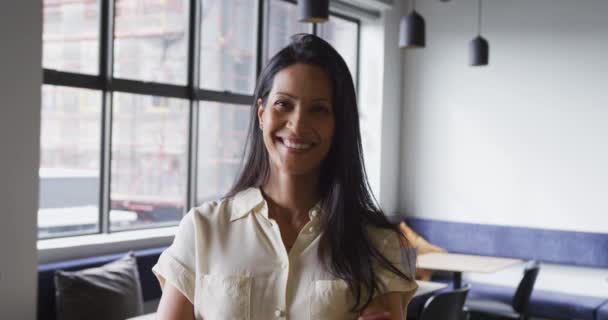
281,104
320,109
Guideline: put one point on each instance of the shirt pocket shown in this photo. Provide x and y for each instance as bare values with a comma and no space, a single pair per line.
224,297
331,299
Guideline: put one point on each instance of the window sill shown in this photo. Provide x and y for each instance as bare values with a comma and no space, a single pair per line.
53,250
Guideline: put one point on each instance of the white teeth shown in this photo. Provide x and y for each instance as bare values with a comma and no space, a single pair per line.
294,145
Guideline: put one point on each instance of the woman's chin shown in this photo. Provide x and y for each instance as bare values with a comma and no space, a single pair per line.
298,170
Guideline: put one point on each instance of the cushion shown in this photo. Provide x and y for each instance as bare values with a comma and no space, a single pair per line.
109,292
422,246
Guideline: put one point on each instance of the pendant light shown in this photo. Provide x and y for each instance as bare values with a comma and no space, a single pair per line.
479,49
412,32
313,11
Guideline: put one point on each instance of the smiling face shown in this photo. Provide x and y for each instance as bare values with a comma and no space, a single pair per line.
298,119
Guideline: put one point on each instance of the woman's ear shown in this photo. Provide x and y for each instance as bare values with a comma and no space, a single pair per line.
260,111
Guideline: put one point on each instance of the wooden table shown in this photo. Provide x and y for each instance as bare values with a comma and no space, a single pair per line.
459,263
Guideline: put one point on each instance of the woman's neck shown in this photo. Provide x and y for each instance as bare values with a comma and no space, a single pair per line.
292,193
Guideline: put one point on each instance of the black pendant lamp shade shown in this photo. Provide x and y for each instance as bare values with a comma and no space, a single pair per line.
479,49
313,11
412,33
479,52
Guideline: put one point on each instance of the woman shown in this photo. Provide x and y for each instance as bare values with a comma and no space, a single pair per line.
299,235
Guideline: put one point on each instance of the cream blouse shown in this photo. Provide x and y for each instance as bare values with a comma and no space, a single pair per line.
228,259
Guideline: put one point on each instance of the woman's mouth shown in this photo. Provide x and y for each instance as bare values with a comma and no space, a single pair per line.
294,146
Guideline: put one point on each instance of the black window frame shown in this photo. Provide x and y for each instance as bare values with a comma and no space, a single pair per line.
107,84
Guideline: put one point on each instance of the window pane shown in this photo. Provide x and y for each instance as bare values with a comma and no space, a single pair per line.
221,137
151,40
228,45
149,161
69,161
343,36
282,23
71,35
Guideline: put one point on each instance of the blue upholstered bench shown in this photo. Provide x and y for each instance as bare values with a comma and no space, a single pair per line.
46,285
585,250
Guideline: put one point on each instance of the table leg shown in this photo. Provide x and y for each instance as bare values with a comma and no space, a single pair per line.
457,280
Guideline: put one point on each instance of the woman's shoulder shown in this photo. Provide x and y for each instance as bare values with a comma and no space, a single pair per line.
225,208
208,209
212,210
380,233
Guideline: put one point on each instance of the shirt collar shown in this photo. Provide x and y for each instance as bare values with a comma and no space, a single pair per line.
252,199
245,202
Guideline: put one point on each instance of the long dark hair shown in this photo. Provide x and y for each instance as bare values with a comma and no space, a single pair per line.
347,204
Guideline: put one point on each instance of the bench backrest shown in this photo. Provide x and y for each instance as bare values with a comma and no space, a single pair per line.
552,246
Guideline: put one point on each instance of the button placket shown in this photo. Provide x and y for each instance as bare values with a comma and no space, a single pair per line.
314,213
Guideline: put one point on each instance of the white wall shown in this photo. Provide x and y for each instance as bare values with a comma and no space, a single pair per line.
20,80
521,142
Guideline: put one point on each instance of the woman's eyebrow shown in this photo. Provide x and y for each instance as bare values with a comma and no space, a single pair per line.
295,98
285,94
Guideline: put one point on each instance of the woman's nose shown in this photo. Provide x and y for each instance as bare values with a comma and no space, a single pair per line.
298,121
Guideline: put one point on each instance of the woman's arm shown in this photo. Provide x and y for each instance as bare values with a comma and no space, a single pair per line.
385,307
174,305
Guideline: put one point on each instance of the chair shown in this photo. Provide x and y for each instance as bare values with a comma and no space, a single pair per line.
518,309
445,305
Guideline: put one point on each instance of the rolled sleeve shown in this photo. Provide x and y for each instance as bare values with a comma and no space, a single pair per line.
390,247
176,264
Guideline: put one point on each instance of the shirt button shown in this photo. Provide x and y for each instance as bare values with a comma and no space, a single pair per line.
311,229
314,213
279,313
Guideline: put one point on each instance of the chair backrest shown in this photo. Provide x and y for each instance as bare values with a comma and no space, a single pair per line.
445,305
521,299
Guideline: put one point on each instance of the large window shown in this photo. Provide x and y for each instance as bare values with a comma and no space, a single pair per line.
146,104
282,23
343,34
